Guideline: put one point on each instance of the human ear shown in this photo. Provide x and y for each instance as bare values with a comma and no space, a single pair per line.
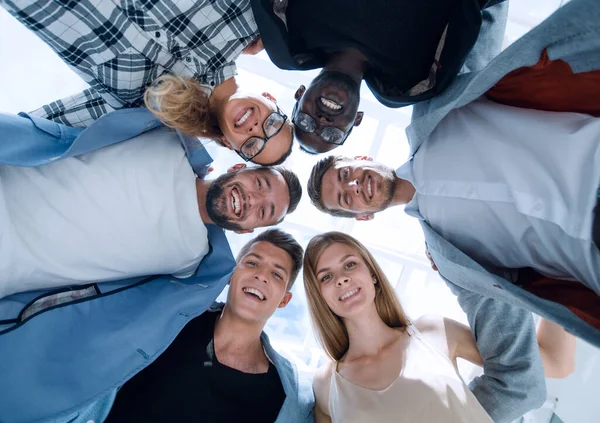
285,300
225,142
300,92
270,97
236,167
358,118
365,217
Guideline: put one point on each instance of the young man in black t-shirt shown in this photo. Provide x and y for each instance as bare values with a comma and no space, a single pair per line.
221,367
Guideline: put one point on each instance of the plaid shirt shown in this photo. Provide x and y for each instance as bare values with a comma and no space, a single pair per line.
120,46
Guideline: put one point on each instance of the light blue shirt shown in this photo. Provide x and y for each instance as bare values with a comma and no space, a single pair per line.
512,188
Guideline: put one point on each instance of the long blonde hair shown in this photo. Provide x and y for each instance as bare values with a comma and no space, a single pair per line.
329,328
183,103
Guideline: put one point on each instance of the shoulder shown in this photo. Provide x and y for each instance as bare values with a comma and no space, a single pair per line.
429,324
433,330
321,383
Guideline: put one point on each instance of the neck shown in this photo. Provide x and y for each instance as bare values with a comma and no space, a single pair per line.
403,192
201,189
368,334
221,94
236,338
350,61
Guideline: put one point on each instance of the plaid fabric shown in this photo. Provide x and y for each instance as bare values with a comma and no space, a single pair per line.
120,46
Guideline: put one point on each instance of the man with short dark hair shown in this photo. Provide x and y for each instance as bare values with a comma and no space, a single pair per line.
176,357
221,367
99,205
503,176
139,210
405,51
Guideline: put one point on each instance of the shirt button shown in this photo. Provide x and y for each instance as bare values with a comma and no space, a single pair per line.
497,286
188,59
157,34
90,421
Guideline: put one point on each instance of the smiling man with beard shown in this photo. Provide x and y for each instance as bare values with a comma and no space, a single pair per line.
138,210
109,251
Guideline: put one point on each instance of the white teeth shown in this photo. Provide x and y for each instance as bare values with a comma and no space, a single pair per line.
235,202
255,292
349,294
330,104
244,118
369,187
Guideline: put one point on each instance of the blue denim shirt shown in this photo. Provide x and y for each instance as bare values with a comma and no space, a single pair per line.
64,361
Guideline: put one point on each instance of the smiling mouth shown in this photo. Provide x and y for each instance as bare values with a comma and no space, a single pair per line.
236,202
242,117
369,187
330,104
255,293
349,294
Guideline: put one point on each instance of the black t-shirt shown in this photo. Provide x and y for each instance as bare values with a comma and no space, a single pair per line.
186,383
398,37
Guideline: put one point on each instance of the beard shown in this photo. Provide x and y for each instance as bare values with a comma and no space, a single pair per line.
216,203
389,187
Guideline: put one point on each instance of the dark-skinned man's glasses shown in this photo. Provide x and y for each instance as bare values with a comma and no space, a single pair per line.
329,134
272,125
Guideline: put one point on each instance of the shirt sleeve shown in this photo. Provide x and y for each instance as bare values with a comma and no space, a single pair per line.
513,381
79,110
491,36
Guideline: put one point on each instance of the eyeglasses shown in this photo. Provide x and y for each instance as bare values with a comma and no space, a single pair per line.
329,134
272,125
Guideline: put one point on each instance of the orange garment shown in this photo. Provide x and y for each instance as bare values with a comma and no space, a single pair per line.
578,298
549,85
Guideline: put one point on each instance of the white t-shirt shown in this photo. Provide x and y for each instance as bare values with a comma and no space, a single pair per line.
514,188
126,210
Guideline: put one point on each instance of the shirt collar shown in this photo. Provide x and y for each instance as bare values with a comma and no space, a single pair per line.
406,172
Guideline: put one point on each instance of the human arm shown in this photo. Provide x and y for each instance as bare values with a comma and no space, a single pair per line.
513,380
321,384
557,347
78,111
491,36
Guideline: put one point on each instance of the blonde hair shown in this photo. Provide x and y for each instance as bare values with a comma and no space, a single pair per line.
183,104
329,327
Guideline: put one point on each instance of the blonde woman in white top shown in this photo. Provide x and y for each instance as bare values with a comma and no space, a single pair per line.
384,368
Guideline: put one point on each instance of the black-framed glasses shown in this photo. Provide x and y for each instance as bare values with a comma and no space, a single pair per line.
272,125
329,134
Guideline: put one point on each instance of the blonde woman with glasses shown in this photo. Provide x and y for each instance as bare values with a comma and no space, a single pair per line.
384,367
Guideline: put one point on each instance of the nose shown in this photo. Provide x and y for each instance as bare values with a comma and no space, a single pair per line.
254,128
260,276
323,118
354,186
342,280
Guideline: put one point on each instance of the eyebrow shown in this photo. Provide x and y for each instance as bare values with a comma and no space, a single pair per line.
272,211
268,182
341,261
278,266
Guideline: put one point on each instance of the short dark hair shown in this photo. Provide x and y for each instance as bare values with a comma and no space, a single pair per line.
279,239
294,186
288,152
315,185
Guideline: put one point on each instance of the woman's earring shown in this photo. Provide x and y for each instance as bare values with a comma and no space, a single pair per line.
375,280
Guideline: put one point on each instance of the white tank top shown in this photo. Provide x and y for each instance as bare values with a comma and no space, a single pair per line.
427,390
